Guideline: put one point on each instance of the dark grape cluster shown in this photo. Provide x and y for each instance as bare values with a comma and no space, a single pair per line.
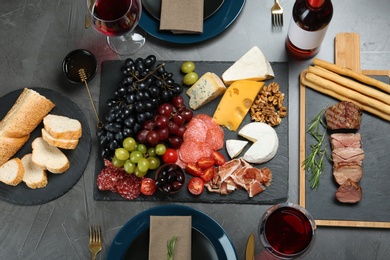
143,88
167,125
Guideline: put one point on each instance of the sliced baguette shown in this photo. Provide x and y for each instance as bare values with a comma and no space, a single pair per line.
62,127
34,176
25,115
9,146
12,172
60,143
49,157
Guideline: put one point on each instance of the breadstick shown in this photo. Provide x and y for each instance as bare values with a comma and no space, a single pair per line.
364,89
331,93
346,92
350,73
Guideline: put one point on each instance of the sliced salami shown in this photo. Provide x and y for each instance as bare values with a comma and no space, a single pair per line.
190,151
118,181
196,133
215,137
130,187
208,120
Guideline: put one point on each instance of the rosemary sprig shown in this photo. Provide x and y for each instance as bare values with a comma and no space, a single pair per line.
314,163
171,246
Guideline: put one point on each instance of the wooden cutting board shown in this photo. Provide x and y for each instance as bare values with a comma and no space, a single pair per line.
347,54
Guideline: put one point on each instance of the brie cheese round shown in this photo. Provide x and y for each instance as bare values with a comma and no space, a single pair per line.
266,142
234,147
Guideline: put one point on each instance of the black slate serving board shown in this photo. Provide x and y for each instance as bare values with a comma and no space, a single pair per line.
279,165
373,210
58,184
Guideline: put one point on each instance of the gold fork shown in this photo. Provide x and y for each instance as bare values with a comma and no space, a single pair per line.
95,240
277,14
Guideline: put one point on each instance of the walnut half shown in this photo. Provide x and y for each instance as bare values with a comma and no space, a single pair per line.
268,105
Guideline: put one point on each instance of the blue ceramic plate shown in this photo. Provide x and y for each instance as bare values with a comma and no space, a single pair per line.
212,26
209,240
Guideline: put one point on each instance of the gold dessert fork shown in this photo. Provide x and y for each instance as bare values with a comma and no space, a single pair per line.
277,14
95,240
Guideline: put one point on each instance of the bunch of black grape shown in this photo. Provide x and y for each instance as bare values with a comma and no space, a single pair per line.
143,88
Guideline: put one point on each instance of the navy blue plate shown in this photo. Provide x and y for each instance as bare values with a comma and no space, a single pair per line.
212,26
209,240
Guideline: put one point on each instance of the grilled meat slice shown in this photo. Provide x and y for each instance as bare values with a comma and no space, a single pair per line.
344,115
344,140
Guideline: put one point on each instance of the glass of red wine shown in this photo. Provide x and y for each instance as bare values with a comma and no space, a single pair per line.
286,231
118,19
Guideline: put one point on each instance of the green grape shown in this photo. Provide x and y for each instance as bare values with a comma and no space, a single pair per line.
116,162
122,154
135,156
151,152
154,162
160,149
129,166
143,165
139,173
129,144
187,67
142,148
190,78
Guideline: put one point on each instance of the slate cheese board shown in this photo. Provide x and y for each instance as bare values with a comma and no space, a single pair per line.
279,165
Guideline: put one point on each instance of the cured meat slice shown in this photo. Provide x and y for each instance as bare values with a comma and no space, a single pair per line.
343,172
349,192
196,133
197,123
344,140
118,181
109,176
350,155
130,187
208,120
343,115
190,151
215,137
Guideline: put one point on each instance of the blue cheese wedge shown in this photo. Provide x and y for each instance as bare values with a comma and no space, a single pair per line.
206,89
266,142
253,65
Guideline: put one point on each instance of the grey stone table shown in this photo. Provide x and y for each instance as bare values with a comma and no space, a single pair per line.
36,36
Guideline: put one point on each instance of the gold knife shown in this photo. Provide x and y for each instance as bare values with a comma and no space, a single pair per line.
250,248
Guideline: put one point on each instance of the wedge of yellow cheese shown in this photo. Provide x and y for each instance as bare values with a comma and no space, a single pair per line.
236,102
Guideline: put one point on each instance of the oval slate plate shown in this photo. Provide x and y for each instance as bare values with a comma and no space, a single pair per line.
58,184
209,240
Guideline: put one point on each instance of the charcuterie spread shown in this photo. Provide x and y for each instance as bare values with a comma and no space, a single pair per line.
173,130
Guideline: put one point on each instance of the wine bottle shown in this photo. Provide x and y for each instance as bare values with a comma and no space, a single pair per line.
309,23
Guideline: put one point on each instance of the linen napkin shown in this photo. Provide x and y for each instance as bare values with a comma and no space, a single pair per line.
182,16
162,229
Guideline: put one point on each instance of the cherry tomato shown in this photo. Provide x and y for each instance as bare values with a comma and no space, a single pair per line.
193,169
218,158
205,162
148,186
208,174
196,186
170,156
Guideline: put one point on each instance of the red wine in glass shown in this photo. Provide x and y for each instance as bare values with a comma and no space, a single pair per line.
117,19
287,230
